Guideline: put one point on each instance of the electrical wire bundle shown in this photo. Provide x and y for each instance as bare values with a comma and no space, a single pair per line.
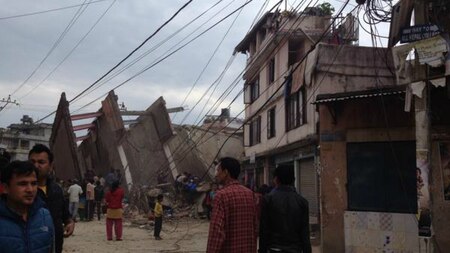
377,11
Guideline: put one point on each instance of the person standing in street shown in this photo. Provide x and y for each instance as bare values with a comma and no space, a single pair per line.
90,200
74,198
209,199
114,212
233,227
158,216
52,194
25,224
284,224
98,194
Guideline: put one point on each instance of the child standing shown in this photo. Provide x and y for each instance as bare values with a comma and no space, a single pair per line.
158,216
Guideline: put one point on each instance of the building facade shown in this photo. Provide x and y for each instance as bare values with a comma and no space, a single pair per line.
377,193
18,139
280,123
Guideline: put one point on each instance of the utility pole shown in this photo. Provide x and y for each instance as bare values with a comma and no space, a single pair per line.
7,101
423,134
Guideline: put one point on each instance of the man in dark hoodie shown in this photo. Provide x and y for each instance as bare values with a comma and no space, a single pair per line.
52,194
284,222
25,225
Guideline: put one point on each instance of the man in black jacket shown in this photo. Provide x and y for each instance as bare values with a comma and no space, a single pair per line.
284,223
52,194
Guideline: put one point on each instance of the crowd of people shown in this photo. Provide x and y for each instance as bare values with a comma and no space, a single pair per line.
32,199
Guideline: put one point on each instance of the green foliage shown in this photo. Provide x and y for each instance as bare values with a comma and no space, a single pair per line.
327,8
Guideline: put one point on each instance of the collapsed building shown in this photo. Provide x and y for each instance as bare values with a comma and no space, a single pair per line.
145,151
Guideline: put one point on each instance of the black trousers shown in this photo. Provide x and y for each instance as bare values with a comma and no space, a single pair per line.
59,238
158,226
89,209
98,208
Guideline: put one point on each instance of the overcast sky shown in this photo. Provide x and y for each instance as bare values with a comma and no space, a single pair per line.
26,41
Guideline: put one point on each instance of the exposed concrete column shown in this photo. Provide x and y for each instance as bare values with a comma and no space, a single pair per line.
172,165
125,166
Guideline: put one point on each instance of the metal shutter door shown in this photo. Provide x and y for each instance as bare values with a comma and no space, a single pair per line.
308,185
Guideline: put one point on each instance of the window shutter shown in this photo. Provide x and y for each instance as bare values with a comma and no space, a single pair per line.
247,94
246,135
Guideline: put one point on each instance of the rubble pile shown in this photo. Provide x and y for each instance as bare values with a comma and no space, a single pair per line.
180,201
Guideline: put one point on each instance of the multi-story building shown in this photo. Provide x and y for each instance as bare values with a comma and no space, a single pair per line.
280,120
18,139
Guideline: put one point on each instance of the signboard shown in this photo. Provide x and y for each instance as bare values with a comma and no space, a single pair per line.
431,51
418,32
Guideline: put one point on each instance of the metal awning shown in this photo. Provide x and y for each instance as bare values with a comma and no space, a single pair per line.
327,98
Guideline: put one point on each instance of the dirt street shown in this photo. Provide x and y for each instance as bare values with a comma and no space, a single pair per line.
186,235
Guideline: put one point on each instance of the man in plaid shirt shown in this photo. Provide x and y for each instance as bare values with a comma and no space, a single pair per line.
233,221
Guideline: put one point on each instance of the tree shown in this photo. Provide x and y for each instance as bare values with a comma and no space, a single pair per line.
327,8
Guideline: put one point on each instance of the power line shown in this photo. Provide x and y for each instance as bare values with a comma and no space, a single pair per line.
50,10
231,102
55,45
204,69
207,64
71,51
262,105
223,73
279,88
387,127
136,49
98,80
7,102
236,80
112,76
160,60
187,150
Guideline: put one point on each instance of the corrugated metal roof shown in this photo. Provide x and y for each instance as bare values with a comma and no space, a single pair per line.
326,98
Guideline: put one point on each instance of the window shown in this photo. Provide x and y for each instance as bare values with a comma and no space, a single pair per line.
254,90
292,112
296,109
255,131
261,36
24,144
271,71
14,143
251,92
382,177
302,103
271,123
296,52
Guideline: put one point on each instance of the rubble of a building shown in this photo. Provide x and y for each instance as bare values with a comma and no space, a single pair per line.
181,201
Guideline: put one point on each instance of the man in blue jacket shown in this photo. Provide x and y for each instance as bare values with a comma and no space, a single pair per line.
25,225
